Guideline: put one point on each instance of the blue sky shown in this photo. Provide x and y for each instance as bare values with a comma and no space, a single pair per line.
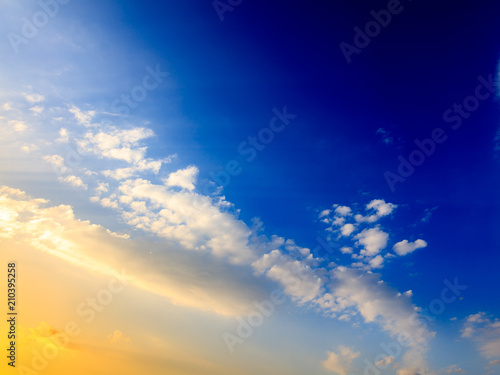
225,147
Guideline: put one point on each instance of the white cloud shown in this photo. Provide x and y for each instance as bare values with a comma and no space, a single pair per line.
385,361
404,247
37,109
341,362
346,250
454,369
324,213
298,279
409,371
376,302
373,240
74,181
196,221
184,178
342,210
34,98
485,331
63,136
185,278
18,126
83,117
376,262
347,229
56,161
381,209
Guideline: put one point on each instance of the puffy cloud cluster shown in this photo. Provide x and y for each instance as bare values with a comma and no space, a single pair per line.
362,237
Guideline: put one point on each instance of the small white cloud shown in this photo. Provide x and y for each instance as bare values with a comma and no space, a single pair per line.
18,126
340,363
373,240
74,181
347,229
184,178
34,98
384,362
83,117
404,247
409,371
376,262
29,148
381,209
56,161
324,213
63,136
454,369
37,109
118,337
346,250
342,210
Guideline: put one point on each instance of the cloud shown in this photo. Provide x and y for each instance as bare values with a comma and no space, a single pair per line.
381,209
74,181
340,363
385,362
166,269
83,117
34,98
409,371
404,247
298,279
346,250
18,126
485,331
122,145
37,109
184,178
378,303
63,136
385,134
118,337
376,262
347,229
324,213
342,210
57,162
373,240
454,369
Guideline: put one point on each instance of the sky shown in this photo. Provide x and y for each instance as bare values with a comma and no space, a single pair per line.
242,187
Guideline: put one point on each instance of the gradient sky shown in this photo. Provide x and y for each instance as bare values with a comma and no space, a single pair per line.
195,164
